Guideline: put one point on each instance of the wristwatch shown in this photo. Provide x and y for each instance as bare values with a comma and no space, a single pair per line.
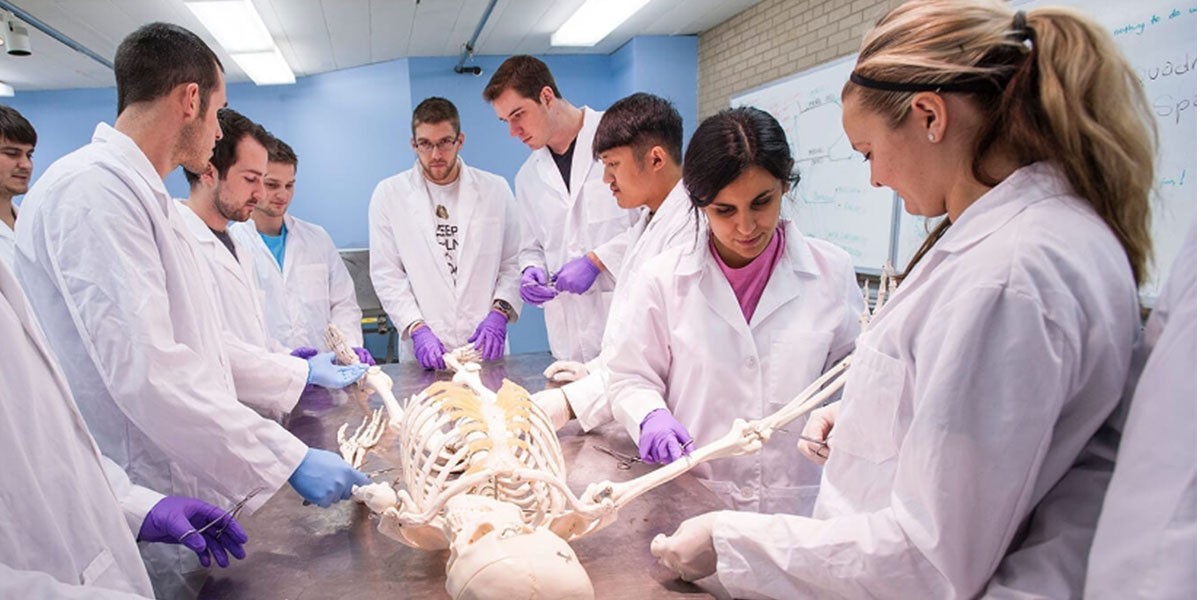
506,308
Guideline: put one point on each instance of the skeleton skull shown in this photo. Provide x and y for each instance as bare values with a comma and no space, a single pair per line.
495,555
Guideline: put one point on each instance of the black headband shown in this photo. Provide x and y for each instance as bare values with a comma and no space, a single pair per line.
1022,32
966,83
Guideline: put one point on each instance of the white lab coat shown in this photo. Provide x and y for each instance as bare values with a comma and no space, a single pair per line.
8,243
118,284
674,224
310,291
64,532
1145,544
266,377
559,225
687,347
973,397
409,272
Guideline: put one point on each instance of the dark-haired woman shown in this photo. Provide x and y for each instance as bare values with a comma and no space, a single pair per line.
736,326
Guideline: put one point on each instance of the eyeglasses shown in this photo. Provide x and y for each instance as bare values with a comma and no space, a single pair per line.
443,144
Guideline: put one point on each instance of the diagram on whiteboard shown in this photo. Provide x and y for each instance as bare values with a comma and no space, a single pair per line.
834,199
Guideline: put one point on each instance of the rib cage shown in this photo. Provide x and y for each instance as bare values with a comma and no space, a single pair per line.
450,432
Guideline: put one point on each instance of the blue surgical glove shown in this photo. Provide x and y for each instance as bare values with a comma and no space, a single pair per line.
428,348
489,335
324,372
533,287
324,478
576,276
364,356
176,520
663,439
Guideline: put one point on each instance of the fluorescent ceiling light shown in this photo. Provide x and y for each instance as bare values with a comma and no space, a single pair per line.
235,23
594,20
6,91
265,68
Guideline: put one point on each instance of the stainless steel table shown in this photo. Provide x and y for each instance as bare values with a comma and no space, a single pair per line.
298,551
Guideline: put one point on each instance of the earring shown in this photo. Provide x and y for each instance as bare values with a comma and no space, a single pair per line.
931,136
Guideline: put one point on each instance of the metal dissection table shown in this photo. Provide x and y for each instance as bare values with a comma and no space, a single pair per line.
298,551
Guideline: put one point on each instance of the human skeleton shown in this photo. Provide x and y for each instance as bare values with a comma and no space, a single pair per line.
484,476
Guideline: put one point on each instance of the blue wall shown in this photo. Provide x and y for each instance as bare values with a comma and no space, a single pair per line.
664,65
351,128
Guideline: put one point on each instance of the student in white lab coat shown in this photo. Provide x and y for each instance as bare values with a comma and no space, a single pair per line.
17,140
969,454
444,244
1145,545
71,516
227,190
572,230
305,284
640,142
737,325
117,282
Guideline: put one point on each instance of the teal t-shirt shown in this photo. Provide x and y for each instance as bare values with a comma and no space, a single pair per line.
275,244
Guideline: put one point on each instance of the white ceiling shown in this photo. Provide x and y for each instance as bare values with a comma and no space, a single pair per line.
316,36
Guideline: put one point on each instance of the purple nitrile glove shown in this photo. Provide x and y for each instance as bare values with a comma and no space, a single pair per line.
364,356
663,439
428,348
533,287
489,335
304,352
576,276
176,519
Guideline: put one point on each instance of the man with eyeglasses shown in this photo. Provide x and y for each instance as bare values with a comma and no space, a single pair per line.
444,244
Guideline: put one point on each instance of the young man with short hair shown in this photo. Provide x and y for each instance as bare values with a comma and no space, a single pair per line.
571,226
305,284
444,244
227,191
640,143
128,308
17,140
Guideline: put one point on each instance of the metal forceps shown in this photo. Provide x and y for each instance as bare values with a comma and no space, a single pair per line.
821,443
623,460
232,514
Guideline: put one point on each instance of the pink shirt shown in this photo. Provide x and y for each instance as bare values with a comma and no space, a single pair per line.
749,281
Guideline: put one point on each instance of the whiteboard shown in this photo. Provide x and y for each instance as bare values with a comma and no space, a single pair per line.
834,200
1158,37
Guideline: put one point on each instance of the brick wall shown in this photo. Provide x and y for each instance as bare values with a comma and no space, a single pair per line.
776,38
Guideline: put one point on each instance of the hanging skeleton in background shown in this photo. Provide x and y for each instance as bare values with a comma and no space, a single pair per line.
484,476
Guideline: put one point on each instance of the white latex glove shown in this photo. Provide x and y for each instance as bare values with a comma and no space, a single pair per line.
689,551
818,427
554,402
565,371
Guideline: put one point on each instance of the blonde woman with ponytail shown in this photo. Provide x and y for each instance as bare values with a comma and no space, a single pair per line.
970,451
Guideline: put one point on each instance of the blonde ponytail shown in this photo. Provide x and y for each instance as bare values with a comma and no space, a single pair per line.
1100,130
1052,86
